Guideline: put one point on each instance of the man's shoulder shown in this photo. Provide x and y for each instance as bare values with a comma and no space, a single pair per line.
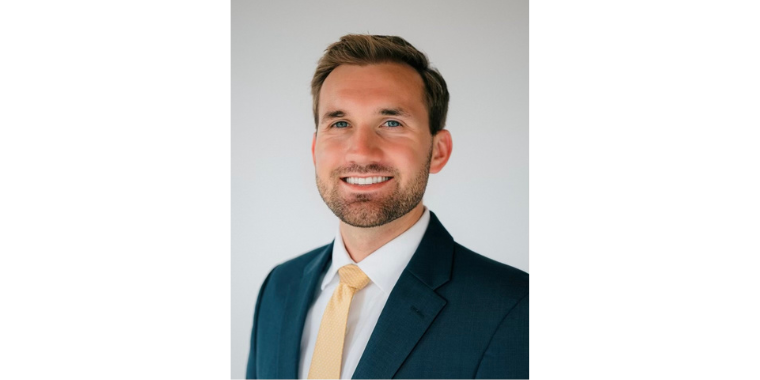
290,272
300,262
489,275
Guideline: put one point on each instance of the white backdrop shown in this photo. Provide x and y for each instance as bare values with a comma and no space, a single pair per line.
481,196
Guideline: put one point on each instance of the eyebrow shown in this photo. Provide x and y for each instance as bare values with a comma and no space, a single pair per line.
333,114
393,112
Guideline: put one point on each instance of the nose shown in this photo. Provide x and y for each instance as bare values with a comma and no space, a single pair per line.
364,146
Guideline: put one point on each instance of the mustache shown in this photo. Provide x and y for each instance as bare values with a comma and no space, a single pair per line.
363,169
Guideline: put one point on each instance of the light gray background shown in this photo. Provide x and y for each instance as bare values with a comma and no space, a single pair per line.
481,196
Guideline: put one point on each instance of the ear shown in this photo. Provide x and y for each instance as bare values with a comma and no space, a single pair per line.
442,146
314,144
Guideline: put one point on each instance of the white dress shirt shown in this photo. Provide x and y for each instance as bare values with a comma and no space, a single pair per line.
383,267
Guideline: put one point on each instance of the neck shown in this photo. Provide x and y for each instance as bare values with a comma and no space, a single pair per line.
361,242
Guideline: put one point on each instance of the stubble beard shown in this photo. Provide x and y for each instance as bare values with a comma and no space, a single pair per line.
372,210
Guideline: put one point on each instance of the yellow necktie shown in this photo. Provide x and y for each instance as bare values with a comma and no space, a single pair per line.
328,352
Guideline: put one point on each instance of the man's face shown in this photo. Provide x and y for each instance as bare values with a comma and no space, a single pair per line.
372,150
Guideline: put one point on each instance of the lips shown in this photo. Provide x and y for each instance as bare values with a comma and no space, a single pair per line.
373,182
365,180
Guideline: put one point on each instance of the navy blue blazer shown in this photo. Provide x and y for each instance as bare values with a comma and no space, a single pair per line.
452,314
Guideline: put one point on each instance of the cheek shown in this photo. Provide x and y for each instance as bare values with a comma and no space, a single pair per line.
325,158
408,161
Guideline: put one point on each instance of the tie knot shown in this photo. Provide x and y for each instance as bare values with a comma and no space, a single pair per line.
352,276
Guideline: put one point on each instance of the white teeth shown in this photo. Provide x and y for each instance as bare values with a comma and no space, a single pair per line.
366,181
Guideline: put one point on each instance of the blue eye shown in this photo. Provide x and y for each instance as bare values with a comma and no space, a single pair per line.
392,123
340,124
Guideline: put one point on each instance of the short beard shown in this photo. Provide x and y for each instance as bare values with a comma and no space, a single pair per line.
369,210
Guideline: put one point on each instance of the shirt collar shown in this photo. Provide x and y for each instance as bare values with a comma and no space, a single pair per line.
384,266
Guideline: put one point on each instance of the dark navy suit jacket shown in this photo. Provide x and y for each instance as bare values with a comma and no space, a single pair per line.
452,314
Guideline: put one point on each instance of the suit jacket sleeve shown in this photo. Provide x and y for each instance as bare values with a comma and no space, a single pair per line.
507,354
251,371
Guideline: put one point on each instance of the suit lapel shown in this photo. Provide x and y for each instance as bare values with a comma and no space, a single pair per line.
411,307
296,308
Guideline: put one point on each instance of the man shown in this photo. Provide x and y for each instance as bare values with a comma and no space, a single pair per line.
393,296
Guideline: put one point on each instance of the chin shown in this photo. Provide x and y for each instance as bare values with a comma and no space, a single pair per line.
363,214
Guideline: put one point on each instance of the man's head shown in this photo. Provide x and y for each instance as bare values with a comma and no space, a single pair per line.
375,146
362,49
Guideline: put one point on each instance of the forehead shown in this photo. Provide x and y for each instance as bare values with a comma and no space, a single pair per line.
375,85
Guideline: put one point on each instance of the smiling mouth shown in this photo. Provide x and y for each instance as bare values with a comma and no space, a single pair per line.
365,181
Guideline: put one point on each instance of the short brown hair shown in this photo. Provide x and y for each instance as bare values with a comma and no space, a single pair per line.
364,49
